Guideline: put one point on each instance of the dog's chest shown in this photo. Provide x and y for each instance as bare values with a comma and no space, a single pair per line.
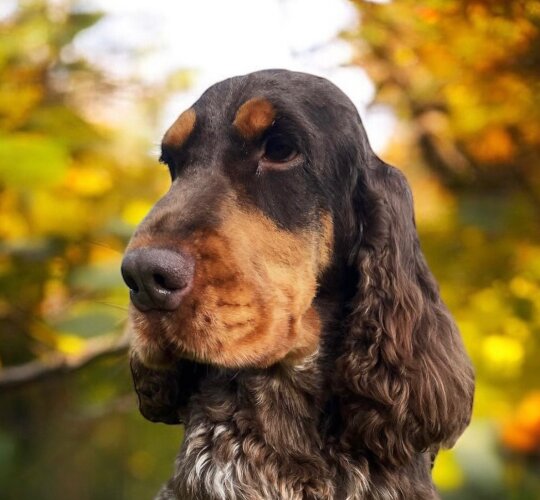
229,464
216,463
209,461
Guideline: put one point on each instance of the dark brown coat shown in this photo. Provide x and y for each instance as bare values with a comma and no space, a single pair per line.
311,356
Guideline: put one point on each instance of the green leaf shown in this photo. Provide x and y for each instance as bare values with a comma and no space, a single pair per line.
28,160
90,320
65,125
97,277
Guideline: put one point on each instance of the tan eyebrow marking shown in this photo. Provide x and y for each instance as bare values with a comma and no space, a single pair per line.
254,117
180,130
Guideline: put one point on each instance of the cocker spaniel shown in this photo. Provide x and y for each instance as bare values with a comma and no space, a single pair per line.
282,309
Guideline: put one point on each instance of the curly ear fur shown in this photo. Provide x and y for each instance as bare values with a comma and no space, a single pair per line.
405,382
164,394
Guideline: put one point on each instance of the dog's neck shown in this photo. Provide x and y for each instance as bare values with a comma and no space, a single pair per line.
275,433
269,433
247,430
283,402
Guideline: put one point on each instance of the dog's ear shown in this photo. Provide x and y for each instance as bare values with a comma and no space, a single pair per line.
164,394
405,382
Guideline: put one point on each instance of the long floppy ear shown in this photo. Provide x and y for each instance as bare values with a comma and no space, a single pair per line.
164,394
406,382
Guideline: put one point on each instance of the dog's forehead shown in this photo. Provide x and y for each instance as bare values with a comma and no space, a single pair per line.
250,103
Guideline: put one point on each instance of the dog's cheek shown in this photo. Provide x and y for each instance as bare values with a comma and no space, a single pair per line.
251,303
282,267
306,329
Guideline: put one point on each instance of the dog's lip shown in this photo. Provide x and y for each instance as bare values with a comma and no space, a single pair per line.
152,314
168,302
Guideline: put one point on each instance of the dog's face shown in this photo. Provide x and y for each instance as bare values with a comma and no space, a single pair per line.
225,268
279,210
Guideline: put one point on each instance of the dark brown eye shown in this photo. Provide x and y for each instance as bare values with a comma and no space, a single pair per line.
169,163
278,149
279,153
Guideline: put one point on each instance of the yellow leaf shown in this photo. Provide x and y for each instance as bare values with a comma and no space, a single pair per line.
503,355
88,181
447,473
521,287
135,211
70,344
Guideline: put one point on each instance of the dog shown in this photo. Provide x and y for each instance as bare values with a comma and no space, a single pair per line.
282,309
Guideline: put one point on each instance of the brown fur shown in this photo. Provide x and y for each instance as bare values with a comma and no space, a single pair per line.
181,129
251,298
313,357
254,117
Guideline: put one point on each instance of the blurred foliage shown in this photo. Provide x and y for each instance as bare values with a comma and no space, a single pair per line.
463,79
72,184
77,174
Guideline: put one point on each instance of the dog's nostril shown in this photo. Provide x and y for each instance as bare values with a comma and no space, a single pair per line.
157,278
130,282
129,273
161,281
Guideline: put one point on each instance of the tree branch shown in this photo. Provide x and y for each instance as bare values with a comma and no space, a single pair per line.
35,371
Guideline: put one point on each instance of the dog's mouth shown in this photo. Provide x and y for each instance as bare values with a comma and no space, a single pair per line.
233,326
234,322
247,302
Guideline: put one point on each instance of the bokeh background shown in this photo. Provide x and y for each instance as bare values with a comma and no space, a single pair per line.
449,91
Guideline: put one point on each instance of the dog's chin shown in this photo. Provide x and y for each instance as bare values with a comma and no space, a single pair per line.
155,357
152,356
162,340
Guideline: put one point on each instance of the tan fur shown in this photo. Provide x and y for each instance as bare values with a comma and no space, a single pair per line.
181,129
315,370
251,301
254,117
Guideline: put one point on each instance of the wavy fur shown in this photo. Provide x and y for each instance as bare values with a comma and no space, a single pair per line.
364,415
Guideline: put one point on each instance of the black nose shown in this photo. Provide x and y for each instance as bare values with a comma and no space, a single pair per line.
157,278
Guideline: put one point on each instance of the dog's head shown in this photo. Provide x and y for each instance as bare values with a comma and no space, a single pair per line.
277,204
225,268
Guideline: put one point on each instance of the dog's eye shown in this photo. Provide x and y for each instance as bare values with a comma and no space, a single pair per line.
278,149
279,153
164,159
169,163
